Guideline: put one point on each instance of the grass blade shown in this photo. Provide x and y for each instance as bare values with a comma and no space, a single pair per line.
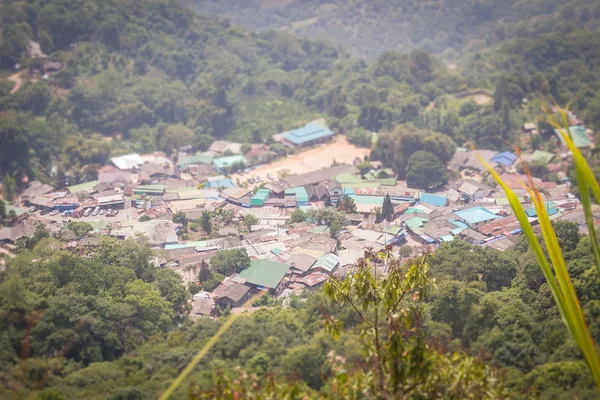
205,349
529,235
585,176
564,295
586,170
584,193
574,313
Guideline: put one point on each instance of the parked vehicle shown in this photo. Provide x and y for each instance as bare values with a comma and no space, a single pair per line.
96,211
87,212
78,213
102,211
53,212
44,211
32,209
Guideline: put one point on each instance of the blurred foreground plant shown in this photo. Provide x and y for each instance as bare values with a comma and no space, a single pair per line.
556,272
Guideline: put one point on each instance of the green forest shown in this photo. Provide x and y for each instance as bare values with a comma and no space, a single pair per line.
154,75
106,324
164,77
450,27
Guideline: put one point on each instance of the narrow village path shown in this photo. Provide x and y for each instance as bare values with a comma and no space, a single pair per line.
16,78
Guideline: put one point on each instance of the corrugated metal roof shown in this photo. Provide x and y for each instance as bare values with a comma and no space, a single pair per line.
436,200
370,200
261,195
149,189
328,262
542,156
580,139
82,187
301,195
195,159
128,161
307,134
299,192
107,200
476,214
416,222
225,162
347,178
505,158
265,273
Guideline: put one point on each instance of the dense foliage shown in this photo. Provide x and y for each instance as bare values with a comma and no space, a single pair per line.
59,308
151,75
369,28
499,304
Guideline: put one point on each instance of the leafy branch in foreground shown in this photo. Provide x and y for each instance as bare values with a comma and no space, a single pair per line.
560,282
388,296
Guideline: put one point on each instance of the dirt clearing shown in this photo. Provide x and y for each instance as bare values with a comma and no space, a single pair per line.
311,160
16,78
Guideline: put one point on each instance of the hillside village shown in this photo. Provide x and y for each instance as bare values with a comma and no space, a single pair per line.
192,212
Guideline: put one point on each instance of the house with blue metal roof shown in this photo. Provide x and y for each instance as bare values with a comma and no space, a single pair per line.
307,135
476,216
505,158
434,199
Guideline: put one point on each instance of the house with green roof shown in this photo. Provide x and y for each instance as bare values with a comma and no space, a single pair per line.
347,178
415,223
541,156
195,159
580,138
326,264
143,195
266,274
151,190
82,187
367,204
20,212
299,194
259,199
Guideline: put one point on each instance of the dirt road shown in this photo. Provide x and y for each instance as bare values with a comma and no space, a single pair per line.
16,78
311,160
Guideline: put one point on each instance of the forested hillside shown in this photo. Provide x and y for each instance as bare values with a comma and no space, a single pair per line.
163,77
369,28
77,325
154,75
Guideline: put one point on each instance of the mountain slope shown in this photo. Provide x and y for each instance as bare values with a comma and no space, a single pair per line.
369,28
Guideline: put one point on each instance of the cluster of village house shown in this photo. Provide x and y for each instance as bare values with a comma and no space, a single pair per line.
288,258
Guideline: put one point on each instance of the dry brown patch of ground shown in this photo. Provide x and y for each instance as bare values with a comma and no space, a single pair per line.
338,150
